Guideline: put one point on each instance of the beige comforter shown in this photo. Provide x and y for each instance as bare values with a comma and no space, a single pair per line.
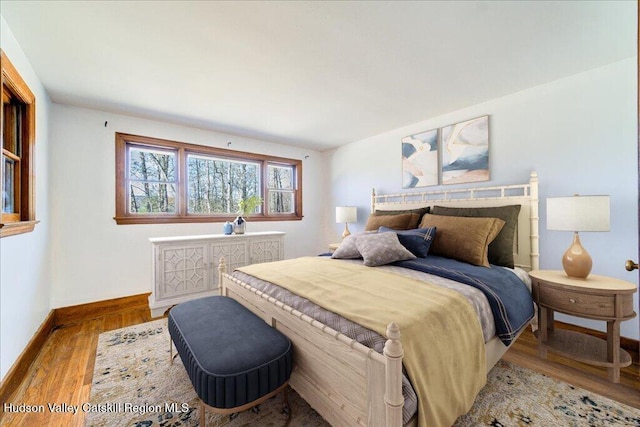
441,335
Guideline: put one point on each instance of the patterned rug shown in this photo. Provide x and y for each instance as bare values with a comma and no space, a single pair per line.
135,385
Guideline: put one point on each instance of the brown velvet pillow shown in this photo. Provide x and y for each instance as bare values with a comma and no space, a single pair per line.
462,238
419,211
397,222
501,249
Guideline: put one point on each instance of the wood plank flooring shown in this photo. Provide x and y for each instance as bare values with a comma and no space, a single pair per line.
62,372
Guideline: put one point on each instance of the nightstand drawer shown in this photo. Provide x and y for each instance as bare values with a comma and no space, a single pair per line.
583,303
577,302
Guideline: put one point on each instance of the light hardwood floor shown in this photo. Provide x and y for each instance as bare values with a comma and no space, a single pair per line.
63,371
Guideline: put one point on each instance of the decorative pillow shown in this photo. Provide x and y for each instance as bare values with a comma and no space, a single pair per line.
419,211
501,249
381,248
398,222
347,249
417,241
462,238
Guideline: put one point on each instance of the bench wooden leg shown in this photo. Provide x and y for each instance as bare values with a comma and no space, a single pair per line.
287,407
227,411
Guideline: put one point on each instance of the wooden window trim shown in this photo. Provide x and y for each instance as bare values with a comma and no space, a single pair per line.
12,228
11,224
123,217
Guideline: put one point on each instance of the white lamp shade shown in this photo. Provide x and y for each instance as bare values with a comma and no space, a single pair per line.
578,213
346,214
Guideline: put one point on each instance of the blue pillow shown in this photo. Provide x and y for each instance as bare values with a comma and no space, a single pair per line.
417,241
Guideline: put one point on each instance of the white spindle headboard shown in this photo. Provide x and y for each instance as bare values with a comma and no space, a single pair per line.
526,242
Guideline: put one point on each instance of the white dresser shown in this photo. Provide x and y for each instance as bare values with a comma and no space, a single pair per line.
186,267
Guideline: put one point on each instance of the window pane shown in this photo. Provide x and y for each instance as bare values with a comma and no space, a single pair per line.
217,185
147,197
152,165
12,127
281,202
280,177
8,186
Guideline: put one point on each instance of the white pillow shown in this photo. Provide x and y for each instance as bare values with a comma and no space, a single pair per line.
381,248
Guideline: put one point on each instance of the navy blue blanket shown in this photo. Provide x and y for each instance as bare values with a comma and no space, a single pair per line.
510,300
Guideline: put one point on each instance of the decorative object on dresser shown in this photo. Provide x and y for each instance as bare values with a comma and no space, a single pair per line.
596,297
577,213
245,208
346,214
227,228
183,267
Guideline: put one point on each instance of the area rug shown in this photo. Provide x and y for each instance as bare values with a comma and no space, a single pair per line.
135,385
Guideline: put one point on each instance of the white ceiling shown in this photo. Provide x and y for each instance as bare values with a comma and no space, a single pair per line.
310,74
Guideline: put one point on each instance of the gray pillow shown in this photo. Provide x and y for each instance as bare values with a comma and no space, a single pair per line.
381,248
501,249
347,249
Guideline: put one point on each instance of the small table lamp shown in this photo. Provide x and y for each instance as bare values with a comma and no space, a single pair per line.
346,214
578,213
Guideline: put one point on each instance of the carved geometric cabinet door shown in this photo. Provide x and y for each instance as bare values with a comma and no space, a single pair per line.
184,270
234,253
266,250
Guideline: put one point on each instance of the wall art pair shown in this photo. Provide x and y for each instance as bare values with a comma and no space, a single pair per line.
460,155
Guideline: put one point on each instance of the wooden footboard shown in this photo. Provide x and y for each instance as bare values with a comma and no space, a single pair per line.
346,382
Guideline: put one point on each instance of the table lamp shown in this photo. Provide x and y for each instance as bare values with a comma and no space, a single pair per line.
346,214
578,213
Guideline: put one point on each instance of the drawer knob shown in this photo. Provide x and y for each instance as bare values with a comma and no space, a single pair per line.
572,301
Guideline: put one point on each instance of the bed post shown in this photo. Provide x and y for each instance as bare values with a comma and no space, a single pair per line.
373,200
393,399
222,268
535,232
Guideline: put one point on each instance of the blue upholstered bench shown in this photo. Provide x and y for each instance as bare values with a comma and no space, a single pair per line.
234,359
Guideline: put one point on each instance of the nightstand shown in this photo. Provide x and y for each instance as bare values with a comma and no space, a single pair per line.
333,247
596,297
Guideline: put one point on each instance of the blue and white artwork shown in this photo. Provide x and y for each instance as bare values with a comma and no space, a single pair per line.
420,159
465,151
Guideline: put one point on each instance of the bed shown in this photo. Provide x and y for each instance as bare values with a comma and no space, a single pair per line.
348,382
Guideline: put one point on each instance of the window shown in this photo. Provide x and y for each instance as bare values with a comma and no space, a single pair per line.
216,185
152,180
281,188
159,181
18,139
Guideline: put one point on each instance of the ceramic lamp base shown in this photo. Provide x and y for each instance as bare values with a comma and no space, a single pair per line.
346,231
576,260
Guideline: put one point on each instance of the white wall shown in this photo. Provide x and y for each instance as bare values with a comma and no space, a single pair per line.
25,276
578,133
96,259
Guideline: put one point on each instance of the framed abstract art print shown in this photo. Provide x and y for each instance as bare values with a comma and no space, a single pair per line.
465,151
